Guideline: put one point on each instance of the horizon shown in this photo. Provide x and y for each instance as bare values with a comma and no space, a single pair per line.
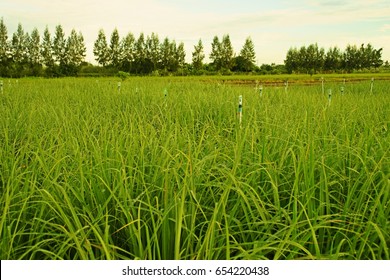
273,26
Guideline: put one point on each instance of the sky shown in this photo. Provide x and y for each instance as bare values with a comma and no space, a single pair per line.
274,26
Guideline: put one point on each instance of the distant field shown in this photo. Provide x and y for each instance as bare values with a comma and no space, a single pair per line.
296,79
161,168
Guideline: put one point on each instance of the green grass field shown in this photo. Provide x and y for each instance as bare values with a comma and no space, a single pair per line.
91,172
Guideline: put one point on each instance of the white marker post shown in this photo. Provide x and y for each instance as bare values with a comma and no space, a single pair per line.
119,87
322,83
329,96
240,109
1,86
372,85
259,88
286,86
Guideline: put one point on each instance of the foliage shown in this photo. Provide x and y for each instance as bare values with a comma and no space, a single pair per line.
227,53
127,52
4,46
114,50
47,49
123,75
313,59
247,56
26,55
216,53
101,50
153,50
56,56
222,54
198,56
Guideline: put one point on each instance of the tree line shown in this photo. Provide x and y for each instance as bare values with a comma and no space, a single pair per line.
27,54
24,54
149,55
138,56
312,59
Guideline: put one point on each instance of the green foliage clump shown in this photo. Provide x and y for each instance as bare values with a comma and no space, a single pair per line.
123,75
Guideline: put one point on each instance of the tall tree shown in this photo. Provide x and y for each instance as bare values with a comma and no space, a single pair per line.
81,48
127,52
377,58
180,56
302,64
227,53
71,53
248,55
198,56
314,58
173,62
46,49
216,53
166,54
4,46
369,56
351,58
59,46
101,50
332,60
152,51
140,55
19,46
34,54
365,56
115,50
292,60
75,52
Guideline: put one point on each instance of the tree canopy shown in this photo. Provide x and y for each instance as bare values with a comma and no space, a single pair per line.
312,59
59,54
